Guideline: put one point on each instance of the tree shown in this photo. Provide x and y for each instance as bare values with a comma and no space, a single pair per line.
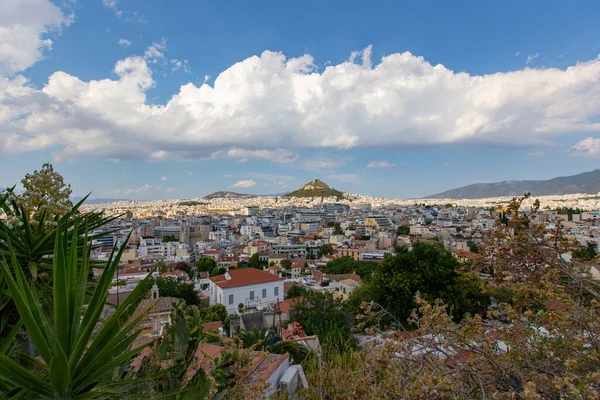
169,287
473,246
216,312
429,270
285,264
255,261
348,265
337,229
168,238
79,351
218,271
161,267
205,264
322,315
403,230
584,253
324,250
295,291
45,191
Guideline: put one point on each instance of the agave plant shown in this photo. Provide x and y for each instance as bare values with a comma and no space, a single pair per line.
77,349
263,338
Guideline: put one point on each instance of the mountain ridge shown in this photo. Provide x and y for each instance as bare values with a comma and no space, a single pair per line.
586,182
315,188
229,195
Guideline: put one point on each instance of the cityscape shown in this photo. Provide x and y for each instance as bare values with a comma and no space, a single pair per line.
265,200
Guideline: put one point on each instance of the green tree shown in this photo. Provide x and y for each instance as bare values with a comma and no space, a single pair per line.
286,264
584,253
403,230
216,312
161,267
429,270
325,250
255,261
295,291
337,229
322,315
205,264
473,246
218,271
169,287
80,352
347,265
45,191
168,238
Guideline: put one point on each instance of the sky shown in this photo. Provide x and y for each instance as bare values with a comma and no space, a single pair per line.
159,99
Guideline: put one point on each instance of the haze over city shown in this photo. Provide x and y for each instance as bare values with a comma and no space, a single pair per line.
154,100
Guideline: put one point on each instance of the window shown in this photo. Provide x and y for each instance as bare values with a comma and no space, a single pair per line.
276,291
220,298
230,299
252,295
264,293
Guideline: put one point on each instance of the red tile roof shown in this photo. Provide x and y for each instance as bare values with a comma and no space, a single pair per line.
244,277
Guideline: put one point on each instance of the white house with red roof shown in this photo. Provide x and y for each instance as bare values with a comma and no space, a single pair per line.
248,286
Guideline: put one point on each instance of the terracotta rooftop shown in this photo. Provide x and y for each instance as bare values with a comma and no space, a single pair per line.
244,277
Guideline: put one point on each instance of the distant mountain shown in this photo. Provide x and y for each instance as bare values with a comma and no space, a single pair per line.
315,188
229,195
587,182
98,200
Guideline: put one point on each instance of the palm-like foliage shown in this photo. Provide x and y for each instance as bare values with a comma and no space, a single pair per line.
262,339
74,360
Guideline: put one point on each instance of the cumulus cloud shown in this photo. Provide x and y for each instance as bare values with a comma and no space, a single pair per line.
155,52
279,156
164,178
24,29
176,65
124,43
278,104
587,147
244,184
380,164
171,190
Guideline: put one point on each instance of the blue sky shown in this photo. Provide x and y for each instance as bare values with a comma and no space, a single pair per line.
155,99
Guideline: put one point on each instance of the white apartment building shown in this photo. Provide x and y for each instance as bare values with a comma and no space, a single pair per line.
249,286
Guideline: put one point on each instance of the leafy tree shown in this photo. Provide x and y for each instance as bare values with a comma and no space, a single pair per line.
169,287
46,191
325,250
429,270
218,271
205,264
286,264
322,315
473,246
348,265
337,229
79,351
216,312
168,238
584,253
255,261
403,230
295,291
161,267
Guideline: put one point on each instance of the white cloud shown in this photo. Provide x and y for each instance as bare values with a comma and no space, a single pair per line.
142,189
279,156
164,178
380,164
124,43
280,104
24,29
322,163
518,53
346,178
244,184
587,147
531,58
155,52
190,173
177,64
129,16
171,190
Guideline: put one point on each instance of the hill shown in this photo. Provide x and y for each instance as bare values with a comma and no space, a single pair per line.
97,200
587,182
228,195
315,188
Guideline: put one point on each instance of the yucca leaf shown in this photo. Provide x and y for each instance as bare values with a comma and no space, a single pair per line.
59,371
13,372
